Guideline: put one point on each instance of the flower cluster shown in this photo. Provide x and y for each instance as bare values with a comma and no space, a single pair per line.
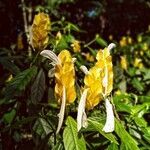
98,85
98,81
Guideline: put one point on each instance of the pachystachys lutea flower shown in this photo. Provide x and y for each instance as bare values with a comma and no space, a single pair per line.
98,85
39,31
64,78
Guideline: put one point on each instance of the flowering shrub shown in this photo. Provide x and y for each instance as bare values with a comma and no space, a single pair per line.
58,100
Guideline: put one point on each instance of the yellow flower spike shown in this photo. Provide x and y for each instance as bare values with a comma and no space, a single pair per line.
64,78
39,31
104,62
98,85
123,62
76,46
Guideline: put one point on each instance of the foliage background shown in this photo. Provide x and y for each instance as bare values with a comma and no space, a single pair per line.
29,120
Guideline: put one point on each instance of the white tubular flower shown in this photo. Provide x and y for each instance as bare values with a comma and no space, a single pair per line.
62,111
111,46
84,69
50,55
81,116
110,120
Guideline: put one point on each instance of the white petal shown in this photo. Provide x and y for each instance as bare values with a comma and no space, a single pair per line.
81,116
74,60
110,120
84,122
50,55
62,111
51,72
111,46
84,69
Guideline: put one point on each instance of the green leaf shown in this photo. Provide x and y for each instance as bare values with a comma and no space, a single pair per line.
97,126
112,146
42,128
58,146
62,44
138,109
101,41
7,64
143,99
19,83
70,136
9,116
38,87
137,84
140,122
127,142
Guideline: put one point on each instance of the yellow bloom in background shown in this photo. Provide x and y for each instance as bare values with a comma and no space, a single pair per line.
145,46
64,78
76,46
58,37
88,57
123,41
139,38
138,63
110,37
20,41
39,31
118,92
124,62
130,40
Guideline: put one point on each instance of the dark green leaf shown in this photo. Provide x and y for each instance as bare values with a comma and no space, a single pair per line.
7,64
19,83
42,128
38,87
9,116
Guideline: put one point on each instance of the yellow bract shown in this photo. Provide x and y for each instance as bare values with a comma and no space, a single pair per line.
65,76
92,83
99,80
104,62
39,31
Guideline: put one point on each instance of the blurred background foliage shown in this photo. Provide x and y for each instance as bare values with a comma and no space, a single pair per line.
28,109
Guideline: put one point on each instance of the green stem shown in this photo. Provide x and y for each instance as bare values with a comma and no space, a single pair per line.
86,45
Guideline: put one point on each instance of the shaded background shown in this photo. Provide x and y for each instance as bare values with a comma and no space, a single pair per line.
118,17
